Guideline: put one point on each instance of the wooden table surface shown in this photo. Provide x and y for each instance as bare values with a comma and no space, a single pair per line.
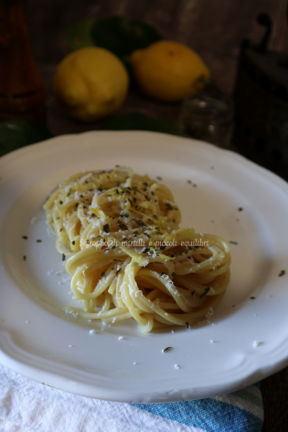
215,29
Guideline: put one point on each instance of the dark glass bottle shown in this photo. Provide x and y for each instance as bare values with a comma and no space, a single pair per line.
261,104
21,85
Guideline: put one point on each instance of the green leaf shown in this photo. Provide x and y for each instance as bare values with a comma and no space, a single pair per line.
17,133
79,35
138,121
122,36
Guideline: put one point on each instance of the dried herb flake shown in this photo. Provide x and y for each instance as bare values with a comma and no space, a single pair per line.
205,292
106,228
166,349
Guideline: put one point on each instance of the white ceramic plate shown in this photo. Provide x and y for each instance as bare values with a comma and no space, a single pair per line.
218,192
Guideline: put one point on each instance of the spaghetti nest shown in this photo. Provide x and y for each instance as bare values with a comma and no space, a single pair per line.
127,256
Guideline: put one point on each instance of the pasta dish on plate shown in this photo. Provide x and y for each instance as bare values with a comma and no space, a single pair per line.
127,255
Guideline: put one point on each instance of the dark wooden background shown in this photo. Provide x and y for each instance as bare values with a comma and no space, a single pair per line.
214,28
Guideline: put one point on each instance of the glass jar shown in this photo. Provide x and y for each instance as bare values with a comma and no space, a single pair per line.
208,116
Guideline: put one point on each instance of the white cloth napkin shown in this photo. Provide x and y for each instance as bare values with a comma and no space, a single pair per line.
28,406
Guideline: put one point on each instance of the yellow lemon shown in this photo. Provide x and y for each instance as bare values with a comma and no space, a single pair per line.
91,82
169,71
